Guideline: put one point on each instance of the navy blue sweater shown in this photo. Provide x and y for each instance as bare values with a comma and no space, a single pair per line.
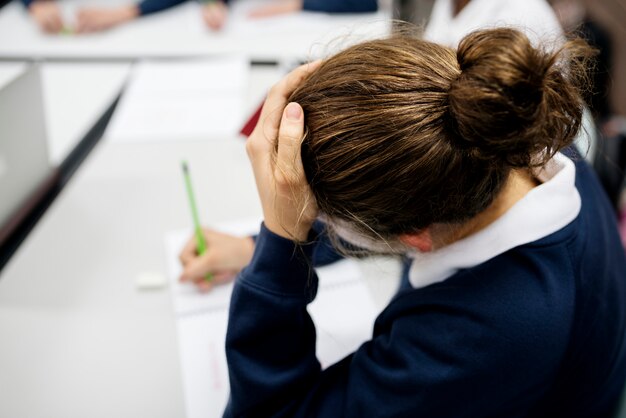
330,6
537,331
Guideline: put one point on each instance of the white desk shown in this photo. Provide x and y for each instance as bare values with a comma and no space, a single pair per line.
10,70
78,339
75,95
179,32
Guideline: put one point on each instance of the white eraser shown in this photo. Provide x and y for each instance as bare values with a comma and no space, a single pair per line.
150,280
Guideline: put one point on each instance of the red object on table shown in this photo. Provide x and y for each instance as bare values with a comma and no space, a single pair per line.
251,123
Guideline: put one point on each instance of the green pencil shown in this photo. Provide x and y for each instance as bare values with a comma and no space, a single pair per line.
194,213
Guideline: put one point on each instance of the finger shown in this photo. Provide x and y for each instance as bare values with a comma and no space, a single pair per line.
51,27
290,135
197,268
46,25
80,19
83,25
218,279
189,251
215,15
272,10
87,27
223,277
279,94
51,23
204,286
263,138
214,22
264,12
56,22
285,6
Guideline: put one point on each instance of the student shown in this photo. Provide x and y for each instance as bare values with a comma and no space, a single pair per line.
48,16
451,20
215,13
514,303
90,19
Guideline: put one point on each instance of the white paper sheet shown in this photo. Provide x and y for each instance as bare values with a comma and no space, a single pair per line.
192,99
201,340
343,313
186,299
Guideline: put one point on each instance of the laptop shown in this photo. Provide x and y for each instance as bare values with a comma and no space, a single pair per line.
26,174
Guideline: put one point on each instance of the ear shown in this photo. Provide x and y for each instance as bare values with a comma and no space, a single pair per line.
422,240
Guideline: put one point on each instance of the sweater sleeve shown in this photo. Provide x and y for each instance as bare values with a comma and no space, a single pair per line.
432,358
145,7
152,6
340,6
323,253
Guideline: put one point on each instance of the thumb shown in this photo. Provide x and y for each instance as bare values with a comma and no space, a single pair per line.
290,136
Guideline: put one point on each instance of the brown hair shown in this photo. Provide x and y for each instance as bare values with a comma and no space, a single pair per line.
404,133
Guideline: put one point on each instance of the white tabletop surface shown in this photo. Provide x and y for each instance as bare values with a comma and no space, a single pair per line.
10,70
180,32
75,97
78,338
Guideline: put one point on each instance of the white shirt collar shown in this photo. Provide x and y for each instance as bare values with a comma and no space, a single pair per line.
544,210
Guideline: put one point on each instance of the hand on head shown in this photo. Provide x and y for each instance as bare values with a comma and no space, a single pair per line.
289,207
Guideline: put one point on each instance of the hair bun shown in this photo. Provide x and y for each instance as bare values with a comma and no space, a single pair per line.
512,102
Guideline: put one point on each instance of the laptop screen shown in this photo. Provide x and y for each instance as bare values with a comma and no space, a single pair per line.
25,170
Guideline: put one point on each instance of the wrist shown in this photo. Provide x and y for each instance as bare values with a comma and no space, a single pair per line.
130,12
247,250
34,5
299,233
281,266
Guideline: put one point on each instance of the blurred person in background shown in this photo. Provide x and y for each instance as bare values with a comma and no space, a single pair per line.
93,19
451,20
215,13
601,22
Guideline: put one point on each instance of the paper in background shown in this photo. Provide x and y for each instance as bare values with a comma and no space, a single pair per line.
183,99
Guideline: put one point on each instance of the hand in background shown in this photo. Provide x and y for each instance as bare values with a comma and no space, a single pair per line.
225,256
215,14
277,8
94,19
47,15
